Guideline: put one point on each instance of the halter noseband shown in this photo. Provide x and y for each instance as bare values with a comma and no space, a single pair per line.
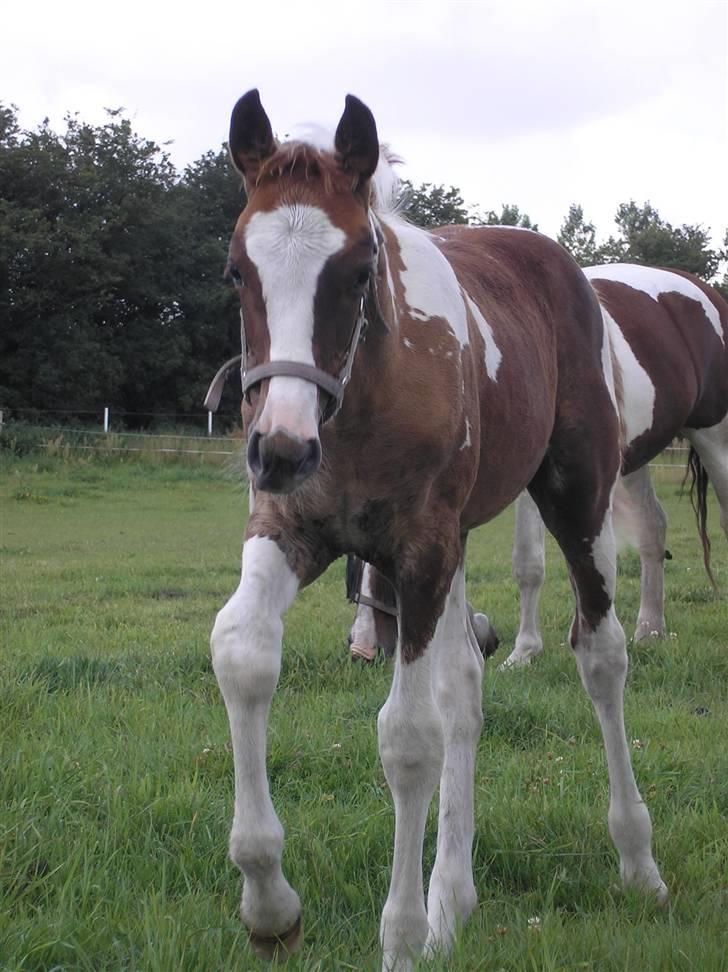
333,386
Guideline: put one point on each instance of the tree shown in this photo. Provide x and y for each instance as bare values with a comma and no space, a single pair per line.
579,238
111,288
648,239
209,198
83,237
722,286
432,205
510,215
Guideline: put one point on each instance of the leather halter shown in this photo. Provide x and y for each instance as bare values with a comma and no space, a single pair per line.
367,601
334,386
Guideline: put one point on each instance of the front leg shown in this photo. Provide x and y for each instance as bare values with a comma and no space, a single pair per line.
412,746
457,683
246,656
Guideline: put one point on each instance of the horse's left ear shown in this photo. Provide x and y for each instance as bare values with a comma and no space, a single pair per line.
356,140
251,137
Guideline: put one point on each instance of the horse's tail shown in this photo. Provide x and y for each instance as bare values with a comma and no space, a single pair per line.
699,500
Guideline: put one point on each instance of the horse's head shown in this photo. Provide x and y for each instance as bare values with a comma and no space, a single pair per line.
301,256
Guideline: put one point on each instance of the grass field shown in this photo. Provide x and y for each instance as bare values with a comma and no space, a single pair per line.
116,774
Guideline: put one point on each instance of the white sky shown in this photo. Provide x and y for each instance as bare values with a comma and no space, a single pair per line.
536,103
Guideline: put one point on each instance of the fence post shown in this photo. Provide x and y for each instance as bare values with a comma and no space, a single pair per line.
209,423
106,418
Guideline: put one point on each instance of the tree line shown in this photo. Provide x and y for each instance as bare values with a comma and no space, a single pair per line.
111,266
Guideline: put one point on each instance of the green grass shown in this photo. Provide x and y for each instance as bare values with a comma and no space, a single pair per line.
116,774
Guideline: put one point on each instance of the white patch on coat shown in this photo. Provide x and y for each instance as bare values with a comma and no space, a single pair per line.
655,283
607,366
467,443
638,391
604,554
430,286
493,354
289,247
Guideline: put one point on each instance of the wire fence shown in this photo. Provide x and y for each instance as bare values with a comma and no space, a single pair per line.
669,466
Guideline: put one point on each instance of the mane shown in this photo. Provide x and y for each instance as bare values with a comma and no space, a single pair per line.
310,155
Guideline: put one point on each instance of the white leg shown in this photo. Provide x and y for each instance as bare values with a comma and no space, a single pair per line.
457,680
601,657
641,521
411,747
246,653
529,571
712,447
363,638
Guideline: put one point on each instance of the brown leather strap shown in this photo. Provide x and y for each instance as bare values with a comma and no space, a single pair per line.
334,387
293,369
214,392
373,602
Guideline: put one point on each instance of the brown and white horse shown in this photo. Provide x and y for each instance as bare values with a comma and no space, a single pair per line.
485,368
669,339
669,336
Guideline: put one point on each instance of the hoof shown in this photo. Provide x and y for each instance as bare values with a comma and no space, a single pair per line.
277,948
647,631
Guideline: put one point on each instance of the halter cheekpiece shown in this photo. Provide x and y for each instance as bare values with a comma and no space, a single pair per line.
334,386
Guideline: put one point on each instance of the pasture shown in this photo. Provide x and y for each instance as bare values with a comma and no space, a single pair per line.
117,776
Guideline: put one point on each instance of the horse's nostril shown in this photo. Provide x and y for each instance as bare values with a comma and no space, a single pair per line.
280,462
311,459
254,461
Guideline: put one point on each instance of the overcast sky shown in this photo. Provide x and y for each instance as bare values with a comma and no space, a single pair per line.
514,101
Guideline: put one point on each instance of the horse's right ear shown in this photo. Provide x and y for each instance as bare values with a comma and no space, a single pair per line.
251,137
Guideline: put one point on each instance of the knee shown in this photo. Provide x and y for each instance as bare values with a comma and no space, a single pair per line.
528,567
245,645
602,656
459,696
411,746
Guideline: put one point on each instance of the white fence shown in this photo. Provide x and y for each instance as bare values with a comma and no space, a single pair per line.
669,466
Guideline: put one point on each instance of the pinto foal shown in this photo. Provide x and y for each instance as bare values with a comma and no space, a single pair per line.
471,384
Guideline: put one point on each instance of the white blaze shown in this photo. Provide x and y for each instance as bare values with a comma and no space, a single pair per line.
289,247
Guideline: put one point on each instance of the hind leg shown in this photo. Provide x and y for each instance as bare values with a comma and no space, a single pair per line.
578,513
363,635
639,518
712,447
529,571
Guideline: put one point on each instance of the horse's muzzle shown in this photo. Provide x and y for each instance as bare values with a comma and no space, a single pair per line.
279,463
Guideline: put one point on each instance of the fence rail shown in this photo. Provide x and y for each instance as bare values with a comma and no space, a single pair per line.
669,466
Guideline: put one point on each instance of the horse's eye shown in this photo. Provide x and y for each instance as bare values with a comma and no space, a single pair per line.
236,276
362,278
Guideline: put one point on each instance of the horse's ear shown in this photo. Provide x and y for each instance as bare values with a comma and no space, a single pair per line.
251,137
356,140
